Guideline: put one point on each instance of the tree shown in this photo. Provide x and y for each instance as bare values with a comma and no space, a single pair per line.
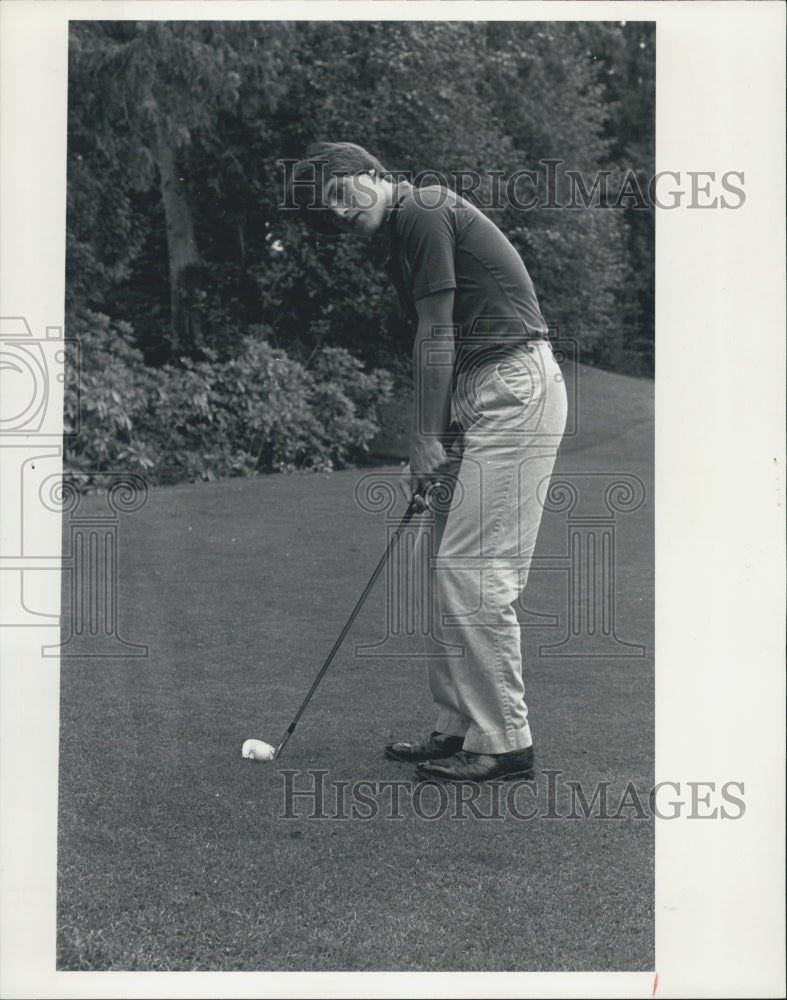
181,127
150,88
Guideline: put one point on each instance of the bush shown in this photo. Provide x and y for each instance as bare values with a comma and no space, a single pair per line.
260,411
345,400
107,398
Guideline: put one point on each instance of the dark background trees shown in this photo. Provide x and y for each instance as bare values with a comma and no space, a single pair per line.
176,130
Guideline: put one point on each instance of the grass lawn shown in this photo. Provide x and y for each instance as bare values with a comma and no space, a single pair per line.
175,853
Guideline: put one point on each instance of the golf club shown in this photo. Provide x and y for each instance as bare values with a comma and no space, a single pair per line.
262,751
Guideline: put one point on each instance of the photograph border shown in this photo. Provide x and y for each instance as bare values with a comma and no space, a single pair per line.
719,508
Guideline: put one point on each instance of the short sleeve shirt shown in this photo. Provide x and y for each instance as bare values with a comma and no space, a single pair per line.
440,241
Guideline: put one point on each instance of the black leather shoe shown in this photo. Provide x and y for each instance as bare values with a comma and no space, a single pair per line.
467,766
436,746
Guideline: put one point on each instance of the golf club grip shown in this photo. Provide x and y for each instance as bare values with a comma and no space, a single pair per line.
416,500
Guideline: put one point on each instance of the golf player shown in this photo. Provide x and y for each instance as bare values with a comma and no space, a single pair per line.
489,415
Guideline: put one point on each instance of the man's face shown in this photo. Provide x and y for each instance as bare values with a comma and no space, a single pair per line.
356,203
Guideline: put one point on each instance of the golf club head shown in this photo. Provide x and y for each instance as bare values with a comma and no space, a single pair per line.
283,743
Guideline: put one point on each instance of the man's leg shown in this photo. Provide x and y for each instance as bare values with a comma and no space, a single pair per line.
450,719
485,548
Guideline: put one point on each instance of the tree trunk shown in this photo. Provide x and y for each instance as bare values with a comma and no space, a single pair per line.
181,247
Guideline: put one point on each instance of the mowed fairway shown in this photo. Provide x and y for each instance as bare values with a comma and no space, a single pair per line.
176,854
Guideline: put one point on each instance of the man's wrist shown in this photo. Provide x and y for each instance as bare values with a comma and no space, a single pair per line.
426,441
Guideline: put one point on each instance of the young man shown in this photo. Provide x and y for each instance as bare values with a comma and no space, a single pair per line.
490,410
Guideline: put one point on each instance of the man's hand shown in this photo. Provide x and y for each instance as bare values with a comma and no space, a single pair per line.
428,463
432,410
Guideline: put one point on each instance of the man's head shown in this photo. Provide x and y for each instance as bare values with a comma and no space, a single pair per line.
340,188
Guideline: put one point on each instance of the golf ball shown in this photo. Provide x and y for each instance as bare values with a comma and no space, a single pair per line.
258,750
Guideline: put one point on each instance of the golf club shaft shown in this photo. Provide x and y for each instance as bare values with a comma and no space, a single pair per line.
414,503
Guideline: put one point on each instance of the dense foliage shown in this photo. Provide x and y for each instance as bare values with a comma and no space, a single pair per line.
206,288
259,411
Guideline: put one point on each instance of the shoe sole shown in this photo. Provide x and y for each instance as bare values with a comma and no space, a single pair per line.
511,776
404,759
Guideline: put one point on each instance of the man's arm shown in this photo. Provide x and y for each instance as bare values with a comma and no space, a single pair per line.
432,411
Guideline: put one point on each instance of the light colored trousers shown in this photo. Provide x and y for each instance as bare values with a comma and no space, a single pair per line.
512,415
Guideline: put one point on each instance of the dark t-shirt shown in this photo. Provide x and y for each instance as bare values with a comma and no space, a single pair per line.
440,241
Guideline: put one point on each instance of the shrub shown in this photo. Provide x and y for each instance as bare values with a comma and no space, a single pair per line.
260,411
107,398
345,400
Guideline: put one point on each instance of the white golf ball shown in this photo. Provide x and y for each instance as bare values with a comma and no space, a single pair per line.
258,750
